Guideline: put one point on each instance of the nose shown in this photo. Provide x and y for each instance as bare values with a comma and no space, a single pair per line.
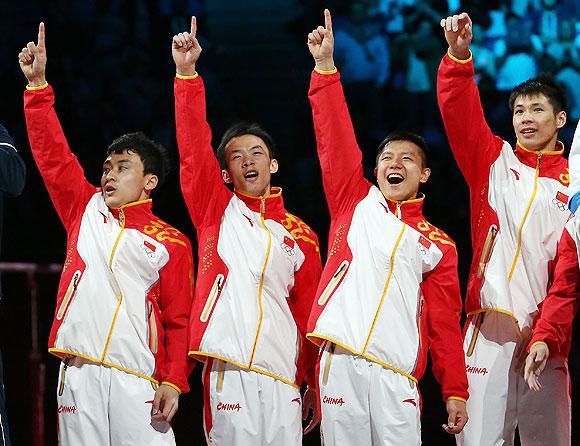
247,161
526,116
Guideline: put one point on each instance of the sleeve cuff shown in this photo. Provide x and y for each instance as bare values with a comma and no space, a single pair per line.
319,71
457,398
181,76
38,87
167,383
461,61
536,343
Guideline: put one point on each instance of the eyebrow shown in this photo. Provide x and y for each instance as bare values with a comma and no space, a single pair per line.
123,161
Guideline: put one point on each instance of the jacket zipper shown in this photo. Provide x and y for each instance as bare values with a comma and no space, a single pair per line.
333,284
261,287
120,297
216,290
392,263
487,250
521,228
69,294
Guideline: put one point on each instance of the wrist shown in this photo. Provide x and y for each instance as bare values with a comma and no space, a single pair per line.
325,65
188,70
37,81
462,54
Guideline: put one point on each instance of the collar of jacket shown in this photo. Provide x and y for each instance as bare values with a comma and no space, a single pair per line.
408,209
272,202
135,211
550,158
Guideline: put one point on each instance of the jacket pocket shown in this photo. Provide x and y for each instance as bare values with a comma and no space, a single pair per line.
62,377
334,282
477,321
327,364
487,250
214,293
70,292
152,324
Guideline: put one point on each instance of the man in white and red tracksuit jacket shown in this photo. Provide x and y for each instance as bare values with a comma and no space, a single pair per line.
125,293
389,289
552,330
259,267
518,211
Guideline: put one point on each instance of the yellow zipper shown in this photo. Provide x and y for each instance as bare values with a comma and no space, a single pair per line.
521,228
70,292
392,263
333,283
327,364
419,319
62,377
260,289
215,291
487,249
120,297
476,328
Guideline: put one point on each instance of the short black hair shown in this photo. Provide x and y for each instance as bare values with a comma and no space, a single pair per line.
154,156
405,135
240,129
542,84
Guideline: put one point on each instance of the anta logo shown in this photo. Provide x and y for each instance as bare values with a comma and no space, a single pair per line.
516,173
104,217
333,401
297,400
67,409
410,401
249,220
476,370
229,406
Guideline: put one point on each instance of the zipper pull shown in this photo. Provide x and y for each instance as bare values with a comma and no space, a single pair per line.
539,160
399,210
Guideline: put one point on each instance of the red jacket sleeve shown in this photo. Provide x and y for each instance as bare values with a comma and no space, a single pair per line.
473,144
203,189
175,297
561,305
338,151
60,169
443,307
301,297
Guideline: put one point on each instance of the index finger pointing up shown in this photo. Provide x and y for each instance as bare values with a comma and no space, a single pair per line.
193,25
327,20
41,35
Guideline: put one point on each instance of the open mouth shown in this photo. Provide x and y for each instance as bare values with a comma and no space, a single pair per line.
109,189
395,178
528,131
251,174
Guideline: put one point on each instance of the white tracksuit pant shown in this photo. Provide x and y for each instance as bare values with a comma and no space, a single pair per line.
500,399
103,406
364,403
246,408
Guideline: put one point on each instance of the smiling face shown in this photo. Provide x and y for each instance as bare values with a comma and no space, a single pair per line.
123,180
536,123
249,166
400,170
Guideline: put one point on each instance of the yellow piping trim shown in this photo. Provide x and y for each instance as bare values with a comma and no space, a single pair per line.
186,77
461,61
486,247
392,263
412,200
327,366
167,383
476,328
260,289
135,203
56,351
370,358
197,354
538,342
521,228
222,371
320,71
153,325
457,398
38,87
544,152
120,299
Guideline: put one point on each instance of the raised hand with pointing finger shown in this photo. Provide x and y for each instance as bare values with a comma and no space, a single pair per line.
458,33
321,44
186,49
32,60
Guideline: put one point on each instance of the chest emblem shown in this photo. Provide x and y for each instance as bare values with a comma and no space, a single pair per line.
149,249
249,220
425,245
516,173
287,245
560,201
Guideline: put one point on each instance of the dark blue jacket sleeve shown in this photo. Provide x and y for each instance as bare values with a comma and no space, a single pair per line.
12,168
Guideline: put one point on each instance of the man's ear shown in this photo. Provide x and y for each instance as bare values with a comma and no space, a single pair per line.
561,119
273,166
151,182
226,176
425,175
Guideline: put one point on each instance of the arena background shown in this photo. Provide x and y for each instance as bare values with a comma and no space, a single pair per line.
111,67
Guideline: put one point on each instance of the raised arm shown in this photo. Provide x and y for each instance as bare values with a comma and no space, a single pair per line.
443,312
472,142
338,151
205,194
12,169
60,169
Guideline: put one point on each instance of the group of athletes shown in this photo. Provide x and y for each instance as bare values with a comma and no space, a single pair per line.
264,315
